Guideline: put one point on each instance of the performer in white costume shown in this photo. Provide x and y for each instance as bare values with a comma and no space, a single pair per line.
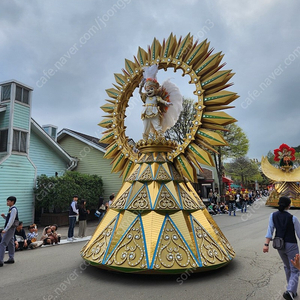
157,115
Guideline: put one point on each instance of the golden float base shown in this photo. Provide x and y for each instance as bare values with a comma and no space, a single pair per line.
157,224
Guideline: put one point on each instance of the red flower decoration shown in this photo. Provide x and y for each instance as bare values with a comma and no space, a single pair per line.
284,151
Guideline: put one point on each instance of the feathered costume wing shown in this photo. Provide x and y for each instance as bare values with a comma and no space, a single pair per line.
172,112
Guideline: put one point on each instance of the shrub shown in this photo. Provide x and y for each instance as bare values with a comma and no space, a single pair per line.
54,194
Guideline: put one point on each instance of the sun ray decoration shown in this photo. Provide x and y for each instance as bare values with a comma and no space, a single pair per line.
157,223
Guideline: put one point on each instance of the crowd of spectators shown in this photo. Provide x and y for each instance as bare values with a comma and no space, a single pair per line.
234,200
31,240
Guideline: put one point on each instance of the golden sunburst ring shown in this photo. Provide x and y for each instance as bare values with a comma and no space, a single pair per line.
204,69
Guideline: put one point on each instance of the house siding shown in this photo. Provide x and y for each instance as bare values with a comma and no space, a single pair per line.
4,117
17,176
2,155
21,116
91,161
44,158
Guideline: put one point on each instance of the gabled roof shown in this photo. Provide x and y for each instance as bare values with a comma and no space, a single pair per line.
87,139
36,128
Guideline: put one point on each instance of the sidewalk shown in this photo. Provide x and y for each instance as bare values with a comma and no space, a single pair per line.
63,230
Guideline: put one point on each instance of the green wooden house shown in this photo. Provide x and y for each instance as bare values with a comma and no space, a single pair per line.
26,150
89,153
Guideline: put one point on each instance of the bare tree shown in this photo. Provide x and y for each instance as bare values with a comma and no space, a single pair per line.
182,127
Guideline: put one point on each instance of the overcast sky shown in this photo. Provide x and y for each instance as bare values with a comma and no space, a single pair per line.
260,40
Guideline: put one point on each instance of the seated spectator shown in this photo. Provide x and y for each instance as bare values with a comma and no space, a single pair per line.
111,199
223,209
20,238
50,237
101,209
32,237
215,209
210,209
54,230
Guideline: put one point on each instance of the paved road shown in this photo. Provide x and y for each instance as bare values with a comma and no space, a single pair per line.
58,272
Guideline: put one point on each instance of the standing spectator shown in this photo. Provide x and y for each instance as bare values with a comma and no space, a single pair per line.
20,238
286,226
218,198
244,202
237,199
82,218
215,197
227,198
210,196
73,213
9,231
199,194
231,204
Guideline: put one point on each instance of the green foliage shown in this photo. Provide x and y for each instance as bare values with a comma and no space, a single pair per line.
297,156
238,146
297,149
270,157
243,170
238,143
56,193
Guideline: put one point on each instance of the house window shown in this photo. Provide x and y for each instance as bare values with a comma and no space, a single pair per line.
19,141
5,93
22,95
3,140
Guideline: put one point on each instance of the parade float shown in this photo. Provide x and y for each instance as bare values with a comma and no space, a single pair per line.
157,224
284,177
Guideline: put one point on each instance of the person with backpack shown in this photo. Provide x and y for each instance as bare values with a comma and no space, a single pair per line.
286,226
11,222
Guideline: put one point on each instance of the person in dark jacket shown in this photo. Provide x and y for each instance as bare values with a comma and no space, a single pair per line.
20,238
287,226
9,231
82,218
73,212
